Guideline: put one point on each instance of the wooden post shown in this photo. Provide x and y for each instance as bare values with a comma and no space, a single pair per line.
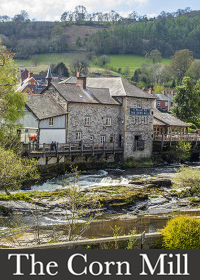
81,148
93,148
162,141
70,148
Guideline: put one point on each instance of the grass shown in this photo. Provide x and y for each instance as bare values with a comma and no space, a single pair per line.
116,62
132,61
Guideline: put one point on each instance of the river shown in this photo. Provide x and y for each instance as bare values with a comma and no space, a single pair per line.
103,225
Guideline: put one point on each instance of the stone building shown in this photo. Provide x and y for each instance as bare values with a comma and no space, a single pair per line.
106,111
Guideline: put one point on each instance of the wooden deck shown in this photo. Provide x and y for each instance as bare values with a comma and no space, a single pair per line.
72,149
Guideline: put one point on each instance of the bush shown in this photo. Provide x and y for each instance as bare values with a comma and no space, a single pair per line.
182,232
189,179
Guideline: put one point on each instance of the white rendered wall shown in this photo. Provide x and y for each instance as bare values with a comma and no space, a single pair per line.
49,135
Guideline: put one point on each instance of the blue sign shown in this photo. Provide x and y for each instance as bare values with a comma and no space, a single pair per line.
140,112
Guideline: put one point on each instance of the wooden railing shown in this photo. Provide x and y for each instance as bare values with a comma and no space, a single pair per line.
177,137
71,148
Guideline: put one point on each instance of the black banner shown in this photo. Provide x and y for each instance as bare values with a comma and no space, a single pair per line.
99,264
140,112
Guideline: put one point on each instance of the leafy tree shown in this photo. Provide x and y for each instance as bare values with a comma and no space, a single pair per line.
180,63
61,69
103,60
155,56
22,17
194,70
78,42
79,64
187,101
11,101
14,170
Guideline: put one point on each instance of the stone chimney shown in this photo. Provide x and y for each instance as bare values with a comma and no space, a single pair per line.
30,75
163,92
150,91
81,81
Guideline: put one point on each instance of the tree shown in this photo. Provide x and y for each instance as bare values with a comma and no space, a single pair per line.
187,101
14,170
22,17
61,69
103,60
78,42
194,70
79,64
11,101
180,63
155,56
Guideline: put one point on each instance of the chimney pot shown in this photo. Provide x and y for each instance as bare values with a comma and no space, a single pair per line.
81,81
150,91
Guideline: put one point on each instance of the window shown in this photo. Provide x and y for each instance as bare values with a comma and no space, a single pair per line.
91,137
158,103
139,103
133,120
108,121
103,139
51,121
139,119
78,135
146,120
87,121
166,103
111,139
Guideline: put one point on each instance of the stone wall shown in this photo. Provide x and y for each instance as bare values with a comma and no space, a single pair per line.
97,128
137,126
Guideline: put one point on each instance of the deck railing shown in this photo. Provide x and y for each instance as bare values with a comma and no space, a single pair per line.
72,147
177,137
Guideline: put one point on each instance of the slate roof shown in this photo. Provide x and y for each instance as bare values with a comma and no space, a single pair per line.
76,94
102,95
118,87
163,97
168,119
44,106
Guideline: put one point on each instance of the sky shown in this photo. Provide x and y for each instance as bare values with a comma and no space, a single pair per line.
53,9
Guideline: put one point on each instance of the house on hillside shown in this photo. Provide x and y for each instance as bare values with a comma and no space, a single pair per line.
164,101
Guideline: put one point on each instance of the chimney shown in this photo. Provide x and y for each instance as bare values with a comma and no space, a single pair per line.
172,92
30,75
163,92
81,81
150,91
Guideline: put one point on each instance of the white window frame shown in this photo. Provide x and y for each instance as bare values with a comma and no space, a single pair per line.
87,121
166,103
78,135
102,139
108,121
51,122
158,103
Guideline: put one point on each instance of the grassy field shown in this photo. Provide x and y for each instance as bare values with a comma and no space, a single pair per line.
116,62
132,61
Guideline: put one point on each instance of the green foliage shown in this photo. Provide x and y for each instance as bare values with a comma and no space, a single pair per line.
181,150
182,232
189,180
15,170
61,70
187,101
11,101
132,239
181,62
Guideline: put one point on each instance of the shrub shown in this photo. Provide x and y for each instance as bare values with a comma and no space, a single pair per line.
182,232
189,179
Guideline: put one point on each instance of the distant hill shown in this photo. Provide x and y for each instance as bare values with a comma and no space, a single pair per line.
167,33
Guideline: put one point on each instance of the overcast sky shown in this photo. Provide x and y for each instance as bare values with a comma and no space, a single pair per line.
53,9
